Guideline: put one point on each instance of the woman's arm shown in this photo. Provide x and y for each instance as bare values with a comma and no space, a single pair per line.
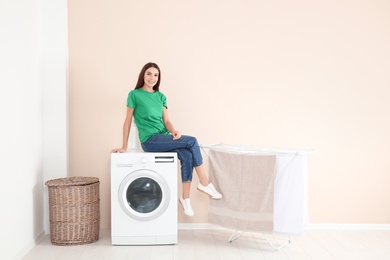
168,125
126,131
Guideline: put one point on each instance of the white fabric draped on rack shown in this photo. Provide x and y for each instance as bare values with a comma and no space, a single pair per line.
265,189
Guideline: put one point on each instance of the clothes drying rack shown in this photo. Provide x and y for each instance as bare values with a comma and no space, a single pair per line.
256,150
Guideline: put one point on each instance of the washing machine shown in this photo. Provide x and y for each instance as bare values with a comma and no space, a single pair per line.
143,198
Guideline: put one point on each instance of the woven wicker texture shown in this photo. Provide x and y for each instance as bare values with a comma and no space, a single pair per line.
74,210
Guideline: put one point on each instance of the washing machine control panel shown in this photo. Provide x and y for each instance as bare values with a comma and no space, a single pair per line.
144,160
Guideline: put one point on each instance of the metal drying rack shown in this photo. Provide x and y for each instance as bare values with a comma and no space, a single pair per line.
246,149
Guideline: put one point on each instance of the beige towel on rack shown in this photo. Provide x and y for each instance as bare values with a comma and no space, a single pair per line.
247,184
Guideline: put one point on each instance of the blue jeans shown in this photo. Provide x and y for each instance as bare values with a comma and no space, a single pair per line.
187,149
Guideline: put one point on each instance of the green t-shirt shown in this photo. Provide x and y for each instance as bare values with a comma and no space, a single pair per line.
148,111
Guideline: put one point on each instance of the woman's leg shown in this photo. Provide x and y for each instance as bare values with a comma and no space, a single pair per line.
165,143
186,187
190,149
202,175
187,168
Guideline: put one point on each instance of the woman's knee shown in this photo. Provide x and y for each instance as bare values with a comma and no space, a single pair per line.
192,142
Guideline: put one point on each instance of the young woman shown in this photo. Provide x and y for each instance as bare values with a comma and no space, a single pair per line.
157,133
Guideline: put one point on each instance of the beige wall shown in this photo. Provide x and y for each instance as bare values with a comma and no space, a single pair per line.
283,73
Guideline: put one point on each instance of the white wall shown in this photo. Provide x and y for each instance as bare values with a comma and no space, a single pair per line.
33,116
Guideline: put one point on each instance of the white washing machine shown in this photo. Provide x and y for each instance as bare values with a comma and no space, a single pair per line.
143,198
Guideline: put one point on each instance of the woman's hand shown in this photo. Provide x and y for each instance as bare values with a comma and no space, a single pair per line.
176,135
118,150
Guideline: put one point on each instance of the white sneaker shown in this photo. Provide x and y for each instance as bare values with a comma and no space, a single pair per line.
186,203
210,190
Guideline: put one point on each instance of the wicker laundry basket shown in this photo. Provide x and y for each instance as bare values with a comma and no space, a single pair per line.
74,210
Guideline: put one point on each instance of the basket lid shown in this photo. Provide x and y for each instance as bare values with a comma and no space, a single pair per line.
72,181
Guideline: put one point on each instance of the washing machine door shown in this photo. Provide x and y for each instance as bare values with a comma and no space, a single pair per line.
144,195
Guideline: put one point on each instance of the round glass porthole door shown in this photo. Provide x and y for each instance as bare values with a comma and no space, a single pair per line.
144,195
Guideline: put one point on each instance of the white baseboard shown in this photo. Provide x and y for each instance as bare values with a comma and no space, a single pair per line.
336,226
311,226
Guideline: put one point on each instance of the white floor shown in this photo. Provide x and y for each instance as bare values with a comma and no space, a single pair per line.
212,244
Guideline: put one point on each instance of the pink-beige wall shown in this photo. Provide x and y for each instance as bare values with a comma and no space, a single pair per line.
309,74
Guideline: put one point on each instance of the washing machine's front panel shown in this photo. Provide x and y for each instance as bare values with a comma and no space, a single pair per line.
143,198
144,195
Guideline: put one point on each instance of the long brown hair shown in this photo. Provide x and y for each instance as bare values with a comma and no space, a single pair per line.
141,81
